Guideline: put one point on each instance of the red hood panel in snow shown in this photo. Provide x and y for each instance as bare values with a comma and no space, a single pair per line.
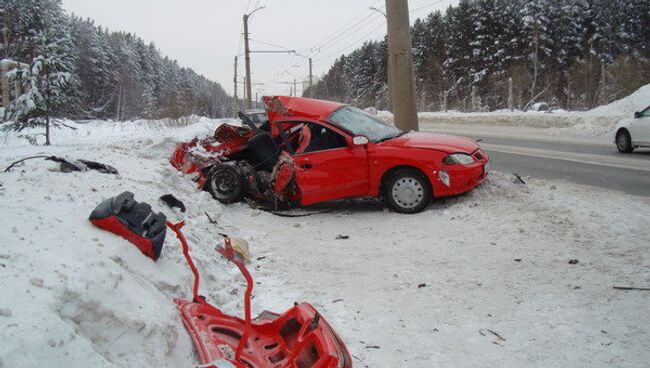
438,142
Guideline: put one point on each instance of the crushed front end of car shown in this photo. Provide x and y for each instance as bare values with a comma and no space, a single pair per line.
237,162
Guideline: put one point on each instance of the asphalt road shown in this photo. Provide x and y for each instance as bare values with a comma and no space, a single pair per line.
584,161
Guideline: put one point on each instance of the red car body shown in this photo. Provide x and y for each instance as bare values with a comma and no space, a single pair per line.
358,168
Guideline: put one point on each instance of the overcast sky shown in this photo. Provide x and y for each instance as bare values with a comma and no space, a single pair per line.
205,35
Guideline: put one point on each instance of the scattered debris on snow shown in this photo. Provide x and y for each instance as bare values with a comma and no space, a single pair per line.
96,301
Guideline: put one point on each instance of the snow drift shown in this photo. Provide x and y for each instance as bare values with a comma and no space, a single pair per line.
480,279
596,122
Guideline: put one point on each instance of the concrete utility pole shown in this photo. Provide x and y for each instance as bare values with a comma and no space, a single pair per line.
244,97
311,74
247,57
247,52
311,78
234,79
400,63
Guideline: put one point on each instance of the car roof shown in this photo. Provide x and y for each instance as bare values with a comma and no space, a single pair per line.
299,106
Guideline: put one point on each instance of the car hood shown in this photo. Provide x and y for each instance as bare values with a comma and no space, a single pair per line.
438,142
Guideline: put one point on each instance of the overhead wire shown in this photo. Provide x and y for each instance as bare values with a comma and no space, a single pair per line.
372,31
344,27
425,6
270,44
368,19
356,42
357,23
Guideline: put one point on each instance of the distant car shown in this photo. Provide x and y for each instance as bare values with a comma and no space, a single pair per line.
633,132
313,151
539,106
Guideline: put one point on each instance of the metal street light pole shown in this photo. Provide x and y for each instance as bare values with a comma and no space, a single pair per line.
388,71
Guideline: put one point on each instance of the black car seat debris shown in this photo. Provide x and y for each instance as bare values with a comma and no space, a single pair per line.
70,165
172,202
132,220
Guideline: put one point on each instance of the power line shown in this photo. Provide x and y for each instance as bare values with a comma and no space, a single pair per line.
270,44
425,6
350,45
373,30
349,31
327,38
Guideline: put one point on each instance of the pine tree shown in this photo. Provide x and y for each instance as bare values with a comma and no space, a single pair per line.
51,76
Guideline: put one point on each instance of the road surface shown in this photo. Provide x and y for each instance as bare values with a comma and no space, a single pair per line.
588,161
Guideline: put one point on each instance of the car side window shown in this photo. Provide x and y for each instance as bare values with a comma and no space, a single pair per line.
323,139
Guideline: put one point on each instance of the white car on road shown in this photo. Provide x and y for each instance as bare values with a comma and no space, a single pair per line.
634,132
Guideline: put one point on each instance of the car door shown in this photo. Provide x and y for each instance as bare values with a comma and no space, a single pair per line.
331,170
641,128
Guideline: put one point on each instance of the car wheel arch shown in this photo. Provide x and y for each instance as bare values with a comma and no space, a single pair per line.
387,174
623,130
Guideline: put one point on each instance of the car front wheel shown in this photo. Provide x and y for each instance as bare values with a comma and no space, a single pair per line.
225,183
407,191
624,141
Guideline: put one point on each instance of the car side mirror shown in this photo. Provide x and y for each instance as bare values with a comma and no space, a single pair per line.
360,140
637,114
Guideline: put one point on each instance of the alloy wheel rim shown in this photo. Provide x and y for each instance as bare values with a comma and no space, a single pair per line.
407,192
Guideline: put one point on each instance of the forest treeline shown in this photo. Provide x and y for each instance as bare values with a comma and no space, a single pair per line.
66,66
572,54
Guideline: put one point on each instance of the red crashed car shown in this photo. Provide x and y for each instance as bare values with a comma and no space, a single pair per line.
312,151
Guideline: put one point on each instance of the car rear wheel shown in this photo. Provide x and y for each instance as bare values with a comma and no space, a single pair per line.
407,191
225,183
624,141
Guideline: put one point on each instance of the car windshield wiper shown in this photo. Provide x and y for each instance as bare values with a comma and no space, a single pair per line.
390,137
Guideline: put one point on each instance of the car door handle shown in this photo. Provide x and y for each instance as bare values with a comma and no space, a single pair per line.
306,166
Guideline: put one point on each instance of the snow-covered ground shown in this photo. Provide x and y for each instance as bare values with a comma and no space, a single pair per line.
482,279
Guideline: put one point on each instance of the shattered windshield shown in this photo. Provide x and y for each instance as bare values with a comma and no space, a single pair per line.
359,122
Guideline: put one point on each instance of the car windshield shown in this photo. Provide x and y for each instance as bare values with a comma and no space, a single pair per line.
359,122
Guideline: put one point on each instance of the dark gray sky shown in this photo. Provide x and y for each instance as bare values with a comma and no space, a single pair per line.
205,35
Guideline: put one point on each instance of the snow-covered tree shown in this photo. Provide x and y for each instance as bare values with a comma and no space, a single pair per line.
50,81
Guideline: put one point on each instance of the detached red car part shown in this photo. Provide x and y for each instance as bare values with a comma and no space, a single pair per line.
312,151
132,220
298,338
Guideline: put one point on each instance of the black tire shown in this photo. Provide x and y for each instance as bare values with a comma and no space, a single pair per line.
225,183
414,194
624,141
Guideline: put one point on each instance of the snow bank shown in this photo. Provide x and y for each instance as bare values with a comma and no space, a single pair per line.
98,131
597,122
626,106
74,295
476,280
